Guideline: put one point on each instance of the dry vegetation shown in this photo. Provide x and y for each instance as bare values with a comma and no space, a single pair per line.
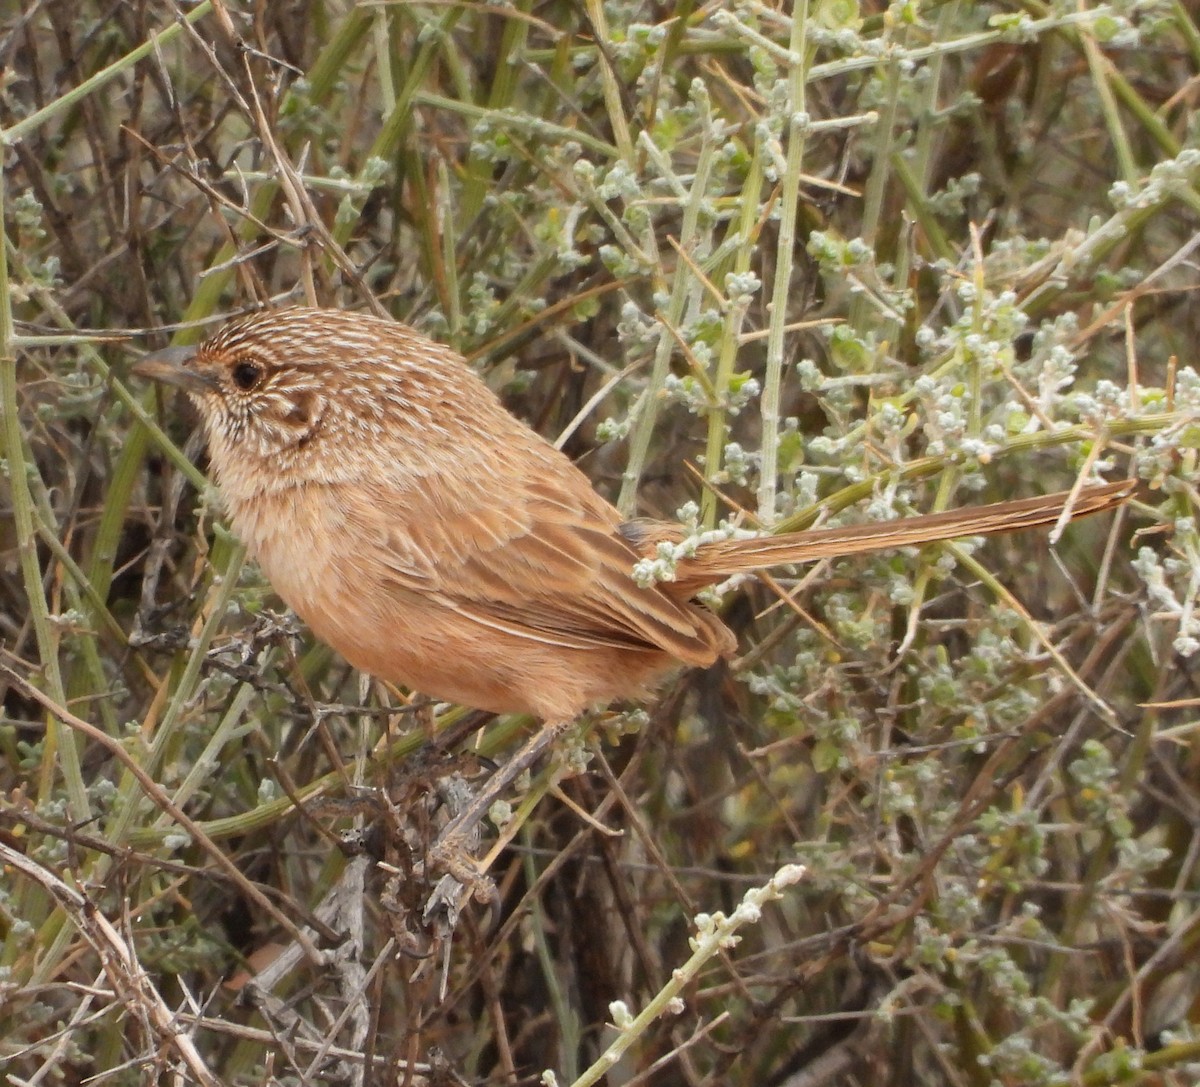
849,262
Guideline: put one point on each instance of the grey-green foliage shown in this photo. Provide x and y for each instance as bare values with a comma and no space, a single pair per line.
978,289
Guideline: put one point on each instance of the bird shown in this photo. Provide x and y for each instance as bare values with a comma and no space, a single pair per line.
438,542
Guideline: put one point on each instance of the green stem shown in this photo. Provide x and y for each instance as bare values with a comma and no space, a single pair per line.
682,286
60,745
781,291
93,83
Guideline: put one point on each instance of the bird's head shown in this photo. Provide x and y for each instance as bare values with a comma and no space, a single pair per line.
308,390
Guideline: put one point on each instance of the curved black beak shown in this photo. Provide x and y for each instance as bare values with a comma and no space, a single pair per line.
169,366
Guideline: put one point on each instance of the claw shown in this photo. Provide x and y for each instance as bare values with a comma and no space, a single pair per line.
453,851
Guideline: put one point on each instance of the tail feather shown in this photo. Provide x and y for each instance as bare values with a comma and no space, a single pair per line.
723,558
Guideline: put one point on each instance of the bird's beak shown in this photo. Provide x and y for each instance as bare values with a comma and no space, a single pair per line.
170,367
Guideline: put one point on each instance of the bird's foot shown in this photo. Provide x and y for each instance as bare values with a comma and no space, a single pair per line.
463,878
453,853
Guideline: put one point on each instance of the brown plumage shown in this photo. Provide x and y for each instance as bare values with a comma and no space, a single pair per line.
438,542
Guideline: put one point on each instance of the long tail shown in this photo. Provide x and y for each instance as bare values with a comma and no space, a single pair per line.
723,558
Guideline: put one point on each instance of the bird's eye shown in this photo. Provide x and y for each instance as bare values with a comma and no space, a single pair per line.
246,375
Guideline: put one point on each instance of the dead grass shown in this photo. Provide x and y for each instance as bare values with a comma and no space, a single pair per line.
848,264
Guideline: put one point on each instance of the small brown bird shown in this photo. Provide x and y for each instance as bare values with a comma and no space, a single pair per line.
436,541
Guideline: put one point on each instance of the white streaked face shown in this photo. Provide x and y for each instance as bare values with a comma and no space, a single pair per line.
318,393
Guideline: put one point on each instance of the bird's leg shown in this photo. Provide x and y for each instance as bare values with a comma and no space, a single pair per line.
451,851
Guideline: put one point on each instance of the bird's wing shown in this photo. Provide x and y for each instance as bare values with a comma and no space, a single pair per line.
549,565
